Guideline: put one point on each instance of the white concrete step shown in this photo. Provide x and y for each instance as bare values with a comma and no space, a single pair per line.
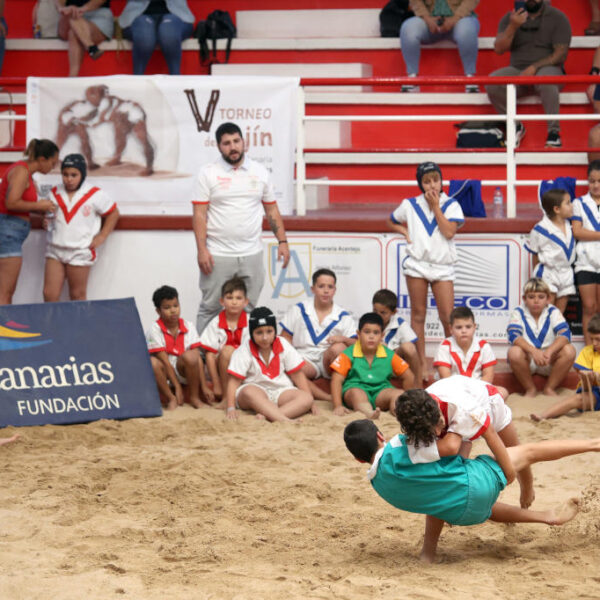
328,134
317,23
329,70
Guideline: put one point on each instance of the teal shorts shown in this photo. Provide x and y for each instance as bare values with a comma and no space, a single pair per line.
486,481
371,394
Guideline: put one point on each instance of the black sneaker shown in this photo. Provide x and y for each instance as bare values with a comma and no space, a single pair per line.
95,52
410,89
472,88
553,140
519,134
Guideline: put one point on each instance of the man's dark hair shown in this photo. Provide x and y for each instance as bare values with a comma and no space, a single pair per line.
593,166
461,312
418,414
387,298
165,292
361,439
323,271
227,128
371,317
235,284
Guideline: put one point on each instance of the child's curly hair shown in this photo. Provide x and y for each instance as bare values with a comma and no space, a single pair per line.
418,414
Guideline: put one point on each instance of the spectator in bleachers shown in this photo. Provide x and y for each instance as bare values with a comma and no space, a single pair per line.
594,27
437,20
538,39
3,31
593,93
148,22
84,24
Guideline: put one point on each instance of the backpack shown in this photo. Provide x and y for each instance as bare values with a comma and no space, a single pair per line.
391,17
218,25
479,134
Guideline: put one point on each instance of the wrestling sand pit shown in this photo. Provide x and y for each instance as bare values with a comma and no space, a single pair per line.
192,507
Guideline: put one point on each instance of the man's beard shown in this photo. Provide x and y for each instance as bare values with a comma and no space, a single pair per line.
532,7
231,161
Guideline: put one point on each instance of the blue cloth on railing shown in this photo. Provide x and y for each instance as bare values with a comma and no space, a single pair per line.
468,194
560,183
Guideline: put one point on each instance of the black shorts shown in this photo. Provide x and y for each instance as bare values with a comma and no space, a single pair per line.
587,278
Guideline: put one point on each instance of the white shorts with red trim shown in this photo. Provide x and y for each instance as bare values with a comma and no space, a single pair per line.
501,415
77,257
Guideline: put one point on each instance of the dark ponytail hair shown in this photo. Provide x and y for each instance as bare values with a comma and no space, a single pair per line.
41,149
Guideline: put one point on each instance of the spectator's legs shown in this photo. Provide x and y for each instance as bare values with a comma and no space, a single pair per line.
497,93
80,34
464,35
549,95
594,27
413,33
142,33
171,32
10,268
594,142
2,42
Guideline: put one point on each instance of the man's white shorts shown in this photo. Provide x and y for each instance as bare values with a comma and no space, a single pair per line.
425,270
79,257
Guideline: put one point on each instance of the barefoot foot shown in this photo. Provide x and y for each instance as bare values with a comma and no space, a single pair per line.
549,392
530,392
375,414
564,513
536,418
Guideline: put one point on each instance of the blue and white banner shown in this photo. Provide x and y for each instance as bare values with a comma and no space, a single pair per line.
146,137
74,362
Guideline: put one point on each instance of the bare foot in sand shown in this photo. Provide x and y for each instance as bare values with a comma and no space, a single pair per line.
530,392
564,513
549,392
13,438
536,418
375,414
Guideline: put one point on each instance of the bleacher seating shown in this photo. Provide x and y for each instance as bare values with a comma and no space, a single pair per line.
310,37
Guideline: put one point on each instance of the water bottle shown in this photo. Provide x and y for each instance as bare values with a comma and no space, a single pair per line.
498,205
50,221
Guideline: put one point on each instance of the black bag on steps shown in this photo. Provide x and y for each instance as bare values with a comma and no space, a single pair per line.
218,25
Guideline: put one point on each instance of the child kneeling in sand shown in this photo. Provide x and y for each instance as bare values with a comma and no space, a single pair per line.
453,489
587,396
361,374
263,372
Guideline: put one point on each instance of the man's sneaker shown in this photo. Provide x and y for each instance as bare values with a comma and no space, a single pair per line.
95,52
410,89
472,88
553,140
519,134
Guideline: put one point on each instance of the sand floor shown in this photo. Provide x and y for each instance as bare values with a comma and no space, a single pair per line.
190,506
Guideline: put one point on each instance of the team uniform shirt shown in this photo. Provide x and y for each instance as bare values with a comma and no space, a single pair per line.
471,364
310,336
217,333
587,212
159,338
454,489
588,360
79,218
468,406
426,240
540,333
29,195
246,363
235,198
398,332
358,373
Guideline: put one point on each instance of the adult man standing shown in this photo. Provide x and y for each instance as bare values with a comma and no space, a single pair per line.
229,199
538,39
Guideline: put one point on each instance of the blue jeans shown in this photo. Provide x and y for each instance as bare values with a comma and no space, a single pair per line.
414,32
2,44
166,30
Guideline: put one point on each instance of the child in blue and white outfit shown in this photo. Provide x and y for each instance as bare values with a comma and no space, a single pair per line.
429,223
586,230
540,340
552,244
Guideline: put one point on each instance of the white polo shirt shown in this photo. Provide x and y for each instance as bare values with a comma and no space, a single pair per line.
470,405
586,211
397,332
78,219
217,333
540,333
426,240
246,363
470,364
309,335
235,198
554,247
159,338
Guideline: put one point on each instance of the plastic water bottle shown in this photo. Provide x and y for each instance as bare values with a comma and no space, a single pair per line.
50,221
498,205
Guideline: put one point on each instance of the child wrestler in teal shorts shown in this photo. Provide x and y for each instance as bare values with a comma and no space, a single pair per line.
360,375
453,489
